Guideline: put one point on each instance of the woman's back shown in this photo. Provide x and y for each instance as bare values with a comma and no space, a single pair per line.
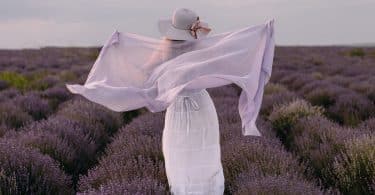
191,138
174,48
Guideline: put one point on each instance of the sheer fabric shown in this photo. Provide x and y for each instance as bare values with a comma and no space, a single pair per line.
134,71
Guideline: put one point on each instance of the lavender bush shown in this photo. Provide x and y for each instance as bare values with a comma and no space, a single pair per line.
4,129
26,171
272,88
10,93
134,152
266,155
101,121
137,186
3,84
44,82
368,124
12,115
340,80
317,140
271,100
366,88
116,168
300,81
323,95
289,77
284,116
63,140
322,85
228,109
299,151
224,91
47,142
276,184
351,109
14,79
56,95
81,109
355,166
34,105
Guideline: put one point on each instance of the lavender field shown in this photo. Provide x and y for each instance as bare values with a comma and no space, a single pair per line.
317,122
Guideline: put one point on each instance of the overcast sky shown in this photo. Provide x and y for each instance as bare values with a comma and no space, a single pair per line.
39,23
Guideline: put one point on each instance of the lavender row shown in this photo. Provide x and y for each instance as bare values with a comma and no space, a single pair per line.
342,157
75,136
133,162
252,162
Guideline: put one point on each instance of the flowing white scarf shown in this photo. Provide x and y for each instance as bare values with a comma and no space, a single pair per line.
134,71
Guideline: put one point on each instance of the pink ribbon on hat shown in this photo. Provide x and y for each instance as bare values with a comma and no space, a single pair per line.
197,26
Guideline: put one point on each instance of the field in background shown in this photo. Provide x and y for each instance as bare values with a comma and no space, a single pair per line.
317,122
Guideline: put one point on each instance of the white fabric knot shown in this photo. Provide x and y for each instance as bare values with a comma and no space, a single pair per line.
189,102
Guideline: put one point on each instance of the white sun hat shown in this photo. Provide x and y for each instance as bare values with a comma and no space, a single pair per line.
184,25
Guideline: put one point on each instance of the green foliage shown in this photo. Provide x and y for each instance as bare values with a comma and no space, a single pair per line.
14,79
357,52
25,82
128,116
317,75
355,166
37,75
320,98
67,76
285,116
272,88
94,54
317,140
372,53
35,80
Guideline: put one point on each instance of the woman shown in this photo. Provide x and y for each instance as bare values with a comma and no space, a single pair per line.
191,139
134,71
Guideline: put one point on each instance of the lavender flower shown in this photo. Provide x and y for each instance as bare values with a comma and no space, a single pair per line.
368,124
12,115
3,85
351,109
265,155
98,120
63,140
137,186
224,91
317,141
284,116
275,184
33,105
134,152
270,101
355,166
26,171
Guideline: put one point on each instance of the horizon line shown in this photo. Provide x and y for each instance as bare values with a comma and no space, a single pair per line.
277,45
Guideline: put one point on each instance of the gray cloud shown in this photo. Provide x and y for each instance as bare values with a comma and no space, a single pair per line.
36,23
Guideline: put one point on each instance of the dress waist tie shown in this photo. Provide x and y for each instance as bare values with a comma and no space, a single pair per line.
188,103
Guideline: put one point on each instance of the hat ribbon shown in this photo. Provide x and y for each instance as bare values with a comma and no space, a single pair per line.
197,26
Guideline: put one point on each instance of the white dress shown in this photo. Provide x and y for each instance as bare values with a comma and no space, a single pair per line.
191,145
134,71
190,140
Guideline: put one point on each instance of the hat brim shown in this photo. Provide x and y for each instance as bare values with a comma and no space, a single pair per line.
167,30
